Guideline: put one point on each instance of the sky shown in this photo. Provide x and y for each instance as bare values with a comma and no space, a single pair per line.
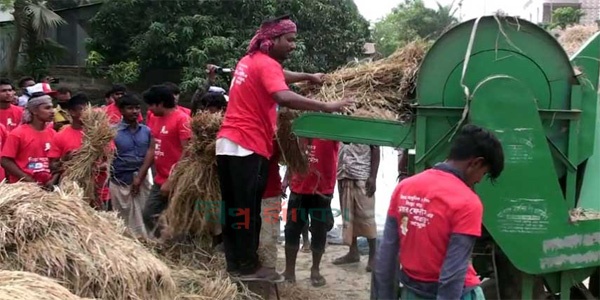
373,10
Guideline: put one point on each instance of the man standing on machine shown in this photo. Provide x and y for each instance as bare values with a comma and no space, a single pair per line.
434,219
245,141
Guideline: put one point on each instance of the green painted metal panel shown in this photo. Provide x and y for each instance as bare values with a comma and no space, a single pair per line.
525,211
354,130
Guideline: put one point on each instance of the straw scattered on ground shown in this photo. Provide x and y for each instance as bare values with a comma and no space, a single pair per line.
16,285
293,154
387,84
84,165
58,235
195,199
573,37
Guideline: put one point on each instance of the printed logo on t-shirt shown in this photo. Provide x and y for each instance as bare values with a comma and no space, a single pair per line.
414,208
404,225
164,130
10,123
46,147
157,148
38,164
239,76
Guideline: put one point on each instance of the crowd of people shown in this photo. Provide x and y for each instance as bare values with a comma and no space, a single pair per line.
41,128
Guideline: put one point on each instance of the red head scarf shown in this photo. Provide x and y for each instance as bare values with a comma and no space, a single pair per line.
262,40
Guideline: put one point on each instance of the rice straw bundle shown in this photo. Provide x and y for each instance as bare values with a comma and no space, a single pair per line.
293,154
60,236
15,285
195,204
83,167
386,84
573,37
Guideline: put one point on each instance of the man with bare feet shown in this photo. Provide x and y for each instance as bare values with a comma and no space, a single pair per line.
311,196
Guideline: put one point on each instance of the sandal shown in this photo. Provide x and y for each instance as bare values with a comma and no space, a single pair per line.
346,259
318,281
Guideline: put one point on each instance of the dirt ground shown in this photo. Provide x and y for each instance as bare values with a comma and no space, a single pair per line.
346,282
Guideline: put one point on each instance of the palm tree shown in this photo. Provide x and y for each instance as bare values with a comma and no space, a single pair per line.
32,19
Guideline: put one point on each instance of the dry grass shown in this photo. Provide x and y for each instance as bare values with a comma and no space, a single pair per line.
293,154
195,199
59,236
83,168
16,285
573,37
385,85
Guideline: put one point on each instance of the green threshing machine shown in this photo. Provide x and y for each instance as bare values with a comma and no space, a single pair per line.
542,216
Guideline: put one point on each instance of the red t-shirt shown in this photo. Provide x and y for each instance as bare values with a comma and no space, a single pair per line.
11,117
29,148
251,114
68,140
3,135
321,177
274,178
168,132
114,114
429,207
180,108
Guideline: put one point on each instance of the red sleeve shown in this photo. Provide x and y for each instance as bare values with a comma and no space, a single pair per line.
272,78
11,147
185,129
56,147
140,118
3,135
468,218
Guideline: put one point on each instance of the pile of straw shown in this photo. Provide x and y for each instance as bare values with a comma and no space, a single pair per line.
15,285
573,37
82,168
195,198
293,154
59,236
383,85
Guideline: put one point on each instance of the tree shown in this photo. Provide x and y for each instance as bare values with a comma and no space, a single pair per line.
32,19
565,16
186,35
412,20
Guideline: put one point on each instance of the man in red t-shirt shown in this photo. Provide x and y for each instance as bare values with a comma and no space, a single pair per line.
176,92
245,141
311,195
433,222
112,109
25,153
10,114
70,139
171,131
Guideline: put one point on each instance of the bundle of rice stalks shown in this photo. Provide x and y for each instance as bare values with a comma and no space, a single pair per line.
94,157
573,37
386,84
293,154
60,236
195,203
15,285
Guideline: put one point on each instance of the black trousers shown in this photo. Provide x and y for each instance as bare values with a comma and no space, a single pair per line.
300,207
243,181
155,205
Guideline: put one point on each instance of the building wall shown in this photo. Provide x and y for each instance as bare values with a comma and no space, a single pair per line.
591,8
73,34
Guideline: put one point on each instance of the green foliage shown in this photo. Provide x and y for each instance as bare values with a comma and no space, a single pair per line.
94,63
565,16
124,72
187,35
409,21
41,55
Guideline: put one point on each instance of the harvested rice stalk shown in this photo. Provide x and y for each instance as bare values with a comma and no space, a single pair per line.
387,84
59,236
195,204
573,37
94,156
15,285
293,154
